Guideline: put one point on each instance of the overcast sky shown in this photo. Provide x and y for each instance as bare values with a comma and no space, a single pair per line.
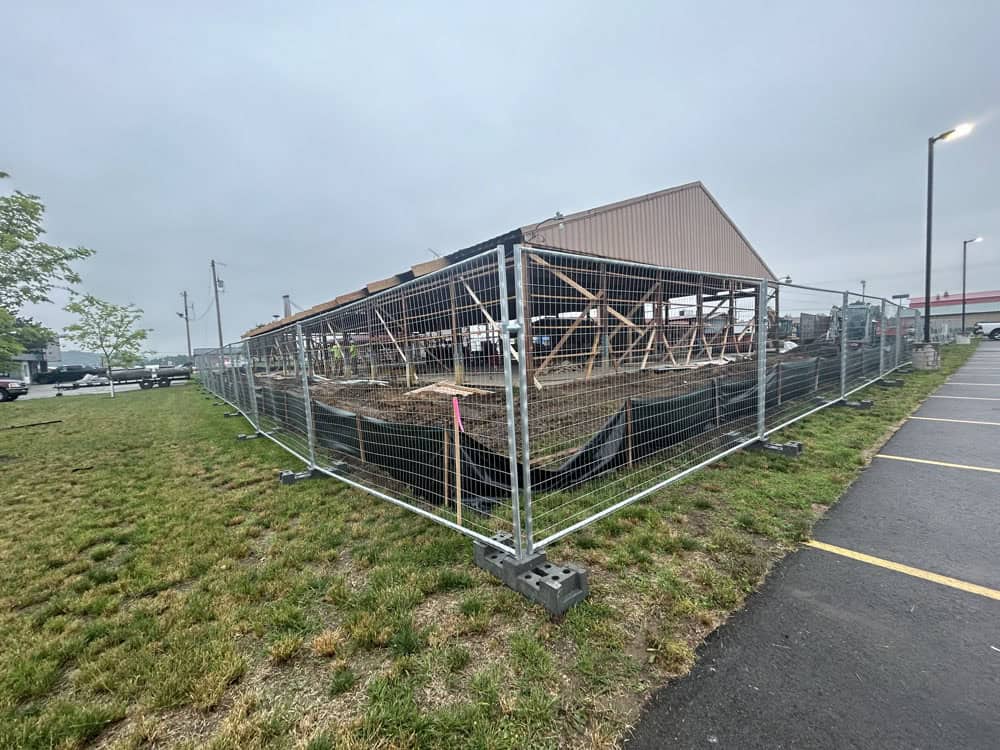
314,148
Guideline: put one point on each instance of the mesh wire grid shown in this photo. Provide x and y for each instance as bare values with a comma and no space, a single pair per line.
613,379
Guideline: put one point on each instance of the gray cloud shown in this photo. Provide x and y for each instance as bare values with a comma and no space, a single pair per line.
313,149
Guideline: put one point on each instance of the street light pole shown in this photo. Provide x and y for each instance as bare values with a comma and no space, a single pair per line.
927,260
965,247
956,132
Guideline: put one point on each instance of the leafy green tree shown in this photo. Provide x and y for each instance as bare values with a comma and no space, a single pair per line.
9,345
30,267
33,336
19,335
108,329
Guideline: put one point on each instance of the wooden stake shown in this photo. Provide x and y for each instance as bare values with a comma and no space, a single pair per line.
718,409
361,437
628,429
444,468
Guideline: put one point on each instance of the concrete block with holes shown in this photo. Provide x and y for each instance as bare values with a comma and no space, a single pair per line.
556,587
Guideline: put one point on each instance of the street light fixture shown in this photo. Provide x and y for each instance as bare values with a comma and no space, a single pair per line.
965,247
949,135
957,132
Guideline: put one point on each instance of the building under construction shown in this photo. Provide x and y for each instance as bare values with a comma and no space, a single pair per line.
672,297
522,388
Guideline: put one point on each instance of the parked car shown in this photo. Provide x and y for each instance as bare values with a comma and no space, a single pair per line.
988,328
11,388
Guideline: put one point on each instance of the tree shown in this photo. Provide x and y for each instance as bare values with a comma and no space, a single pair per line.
9,345
29,267
108,329
18,335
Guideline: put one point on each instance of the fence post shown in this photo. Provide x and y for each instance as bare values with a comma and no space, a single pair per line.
761,357
506,329
300,345
881,342
525,353
235,377
252,387
843,348
899,334
220,379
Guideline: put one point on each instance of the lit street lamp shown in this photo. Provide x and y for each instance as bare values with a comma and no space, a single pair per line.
965,247
949,135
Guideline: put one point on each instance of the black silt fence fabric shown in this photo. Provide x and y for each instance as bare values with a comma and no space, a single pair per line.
336,429
412,454
641,428
797,379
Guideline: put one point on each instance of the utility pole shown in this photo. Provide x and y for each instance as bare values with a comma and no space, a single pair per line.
218,310
187,321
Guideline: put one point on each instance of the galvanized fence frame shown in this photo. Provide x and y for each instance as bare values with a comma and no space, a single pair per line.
286,383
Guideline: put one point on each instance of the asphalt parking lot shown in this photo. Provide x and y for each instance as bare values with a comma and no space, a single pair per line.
884,631
49,391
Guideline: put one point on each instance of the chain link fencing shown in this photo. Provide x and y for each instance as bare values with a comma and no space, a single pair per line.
524,393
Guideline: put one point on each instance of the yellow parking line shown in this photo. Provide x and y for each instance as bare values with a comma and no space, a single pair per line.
960,421
926,575
938,463
969,398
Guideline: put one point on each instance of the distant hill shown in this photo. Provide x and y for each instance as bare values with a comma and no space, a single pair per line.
70,357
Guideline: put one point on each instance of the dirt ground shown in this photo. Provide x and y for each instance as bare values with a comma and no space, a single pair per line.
570,411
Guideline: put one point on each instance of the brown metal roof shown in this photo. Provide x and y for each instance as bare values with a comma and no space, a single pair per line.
681,227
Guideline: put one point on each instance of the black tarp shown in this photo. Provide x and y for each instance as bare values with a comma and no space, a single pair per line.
415,454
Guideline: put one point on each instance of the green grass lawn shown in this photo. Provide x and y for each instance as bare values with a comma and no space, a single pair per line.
161,589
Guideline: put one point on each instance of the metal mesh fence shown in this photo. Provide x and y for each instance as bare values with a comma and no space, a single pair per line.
637,375
524,393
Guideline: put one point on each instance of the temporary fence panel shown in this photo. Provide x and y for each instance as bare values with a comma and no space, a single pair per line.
406,393
524,393
805,348
635,375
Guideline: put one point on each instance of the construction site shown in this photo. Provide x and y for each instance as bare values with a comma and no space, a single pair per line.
521,388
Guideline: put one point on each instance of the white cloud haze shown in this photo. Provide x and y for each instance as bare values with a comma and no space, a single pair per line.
314,148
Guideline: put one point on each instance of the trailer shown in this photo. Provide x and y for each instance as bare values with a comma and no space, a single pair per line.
146,377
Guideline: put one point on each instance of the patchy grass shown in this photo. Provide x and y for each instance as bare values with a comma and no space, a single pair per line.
175,595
